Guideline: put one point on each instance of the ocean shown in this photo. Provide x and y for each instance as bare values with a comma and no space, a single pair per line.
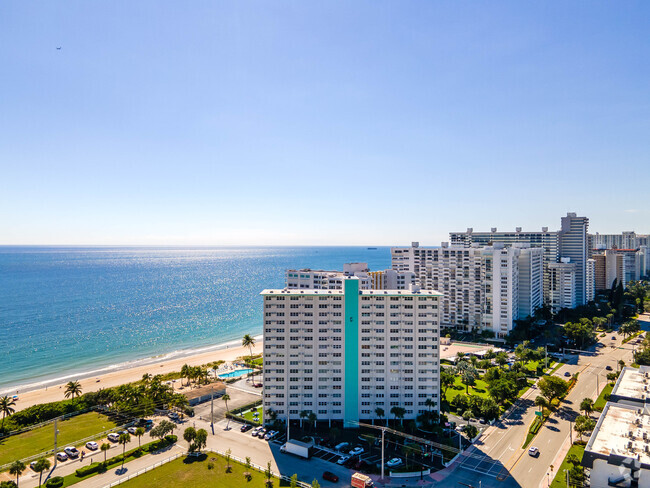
67,312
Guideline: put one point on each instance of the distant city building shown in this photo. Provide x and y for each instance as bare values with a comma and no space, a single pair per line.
590,280
484,287
333,280
572,240
624,240
343,353
622,265
563,288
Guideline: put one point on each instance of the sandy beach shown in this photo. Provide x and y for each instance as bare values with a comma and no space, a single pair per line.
55,392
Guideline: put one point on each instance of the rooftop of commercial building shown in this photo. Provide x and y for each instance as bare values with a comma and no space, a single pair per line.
633,384
622,431
288,291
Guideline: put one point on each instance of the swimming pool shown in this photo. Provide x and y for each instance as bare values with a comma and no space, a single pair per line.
235,374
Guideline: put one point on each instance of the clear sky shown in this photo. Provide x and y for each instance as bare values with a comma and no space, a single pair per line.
363,122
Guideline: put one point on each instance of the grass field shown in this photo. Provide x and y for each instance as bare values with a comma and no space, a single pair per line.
600,402
194,473
249,415
42,439
560,476
479,389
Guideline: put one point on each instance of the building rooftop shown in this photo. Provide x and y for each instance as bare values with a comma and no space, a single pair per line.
623,431
290,291
633,385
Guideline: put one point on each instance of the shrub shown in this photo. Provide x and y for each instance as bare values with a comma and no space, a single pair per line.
171,439
54,482
210,465
90,469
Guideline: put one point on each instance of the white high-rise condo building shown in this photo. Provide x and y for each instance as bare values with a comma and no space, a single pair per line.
572,239
344,353
590,280
484,288
563,285
333,280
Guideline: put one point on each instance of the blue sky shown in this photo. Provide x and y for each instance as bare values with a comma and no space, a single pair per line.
319,122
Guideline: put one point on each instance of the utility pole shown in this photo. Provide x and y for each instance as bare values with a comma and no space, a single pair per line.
545,356
383,431
571,432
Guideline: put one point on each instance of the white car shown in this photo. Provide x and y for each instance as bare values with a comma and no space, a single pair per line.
342,460
533,451
92,445
62,456
255,431
341,446
270,435
131,430
356,451
71,451
393,463
113,437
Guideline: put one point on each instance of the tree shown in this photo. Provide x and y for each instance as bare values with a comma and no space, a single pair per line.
189,435
228,456
7,407
139,432
398,413
379,412
587,406
293,482
311,418
162,429
541,402
225,397
470,431
201,439
123,441
185,373
146,378
303,415
104,448
40,466
72,389
16,469
268,473
503,390
468,378
315,484
552,387
584,424
447,379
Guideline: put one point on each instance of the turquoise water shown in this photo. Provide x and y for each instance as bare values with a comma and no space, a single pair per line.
235,374
65,311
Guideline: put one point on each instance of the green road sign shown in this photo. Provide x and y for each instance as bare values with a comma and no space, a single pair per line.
539,414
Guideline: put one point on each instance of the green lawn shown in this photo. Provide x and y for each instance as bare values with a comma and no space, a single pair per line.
249,415
600,402
42,439
560,476
479,389
194,473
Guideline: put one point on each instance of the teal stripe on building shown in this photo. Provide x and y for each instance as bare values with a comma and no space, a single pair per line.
351,356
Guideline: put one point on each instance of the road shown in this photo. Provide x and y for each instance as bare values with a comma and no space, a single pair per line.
497,458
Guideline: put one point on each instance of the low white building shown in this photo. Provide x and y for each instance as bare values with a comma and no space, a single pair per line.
345,353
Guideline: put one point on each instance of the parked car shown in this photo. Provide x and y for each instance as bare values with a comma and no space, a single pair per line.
246,427
394,463
330,477
533,451
481,421
72,452
613,338
173,416
92,445
270,435
62,456
608,367
356,451
341,446
256,430
566,373
131,430
113,437
257,385
33,465
342,460
261,433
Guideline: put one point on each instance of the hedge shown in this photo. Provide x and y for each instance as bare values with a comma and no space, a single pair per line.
55,482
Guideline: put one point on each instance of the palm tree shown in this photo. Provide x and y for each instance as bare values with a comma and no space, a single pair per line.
6,406
139,432
249,342
587,406
303,416
379,412
214,370
311,418
146,378
124,440
225,397
72,389
185,373
40,466
429,403
105,447
541,402
17,468
399,413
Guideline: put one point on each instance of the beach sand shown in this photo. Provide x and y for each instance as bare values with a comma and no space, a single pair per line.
55,393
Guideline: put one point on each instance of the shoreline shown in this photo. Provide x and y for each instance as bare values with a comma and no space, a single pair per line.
114,375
